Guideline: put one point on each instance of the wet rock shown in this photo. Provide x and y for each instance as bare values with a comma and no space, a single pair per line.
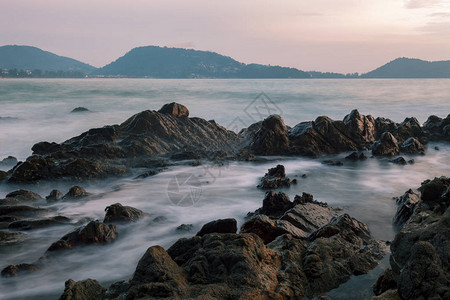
271,138
3,175
76,192
24,195
88,289
9,161
219,226
386,146
399,161
38,224
93,233
16,270
35,168
79,109
352,156
332,163
388,295
433,190
412,146
411,161
275,178
437,128
386,281
275,204
174,109
117,213
7,237
405,207
185,227
409,128
152,172
21,210
360,128
54,196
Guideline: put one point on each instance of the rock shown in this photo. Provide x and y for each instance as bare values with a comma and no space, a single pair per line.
88,289
38,224
21,210
35,168
79,109
7,237
399,161
185,227
360,128
275,178
388,295
412,146
433,190
409,128
405,207
333,163
16,270
24,195
386,146
352,156
117,213
437,128
386,281
423,276
152,172
219,226
271,138
54,195
411,161
309,216
76,192
268,229
275,204
9,161
93,233
3,175
174,109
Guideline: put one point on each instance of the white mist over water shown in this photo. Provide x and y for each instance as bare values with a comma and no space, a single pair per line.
364,189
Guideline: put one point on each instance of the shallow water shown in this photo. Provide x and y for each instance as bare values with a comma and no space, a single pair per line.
364,189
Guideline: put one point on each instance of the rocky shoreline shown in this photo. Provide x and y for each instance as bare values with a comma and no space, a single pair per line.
284,250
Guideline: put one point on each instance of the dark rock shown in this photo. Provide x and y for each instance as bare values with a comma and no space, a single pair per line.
24,195
436,148
386,146
46,148
9,161
360,128
88,289
185,227
21,210
3,175
16,270
219,226
333,163
412,146
275,178
275,204
399,161
152,172
271,138
79,109
433,190
34,168
409,128
386,281
411,161
54,195
405,207
437,128
174,109
7,237
76,192
117,213
352,156
93,233
362,156
294,181
160,219
38,224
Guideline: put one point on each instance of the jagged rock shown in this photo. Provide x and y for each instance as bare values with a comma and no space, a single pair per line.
16,270
54,195
219,226
271,138
275,178
412,146
352,156
437,128
9,161
405,207
386,281
409,128
76,192
185,227
309,216
174,109
360,128
386,146
24,195
399,161
275,204
117,213
88,289
433,190
79,109
93,233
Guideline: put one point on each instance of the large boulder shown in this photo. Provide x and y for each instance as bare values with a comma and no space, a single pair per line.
271,138
174,109
275,178
219,226
24,195
405,207
88,289
412,146
275,204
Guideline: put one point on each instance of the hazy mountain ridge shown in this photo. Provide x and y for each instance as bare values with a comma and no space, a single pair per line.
32,58
163,62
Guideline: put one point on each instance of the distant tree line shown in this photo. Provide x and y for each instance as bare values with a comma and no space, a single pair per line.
19,73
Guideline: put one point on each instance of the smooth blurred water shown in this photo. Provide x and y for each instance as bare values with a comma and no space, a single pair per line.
364,189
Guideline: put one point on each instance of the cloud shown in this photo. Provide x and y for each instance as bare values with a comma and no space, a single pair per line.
436,28
439,15
412,4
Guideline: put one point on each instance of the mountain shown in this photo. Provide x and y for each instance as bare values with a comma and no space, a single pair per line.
163,62
411,68
32,58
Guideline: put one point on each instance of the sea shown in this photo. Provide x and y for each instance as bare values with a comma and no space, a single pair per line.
35,110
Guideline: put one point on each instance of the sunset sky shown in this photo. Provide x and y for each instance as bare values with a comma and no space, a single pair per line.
324,35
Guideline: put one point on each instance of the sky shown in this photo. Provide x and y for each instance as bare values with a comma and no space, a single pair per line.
343,36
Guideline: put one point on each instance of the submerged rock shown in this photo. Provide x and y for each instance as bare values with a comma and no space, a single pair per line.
399,161
54,195
24,195
20,269
117,213
7,237
76,192
79,109
38,224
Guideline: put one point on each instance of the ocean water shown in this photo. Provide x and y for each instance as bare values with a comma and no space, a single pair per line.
39,110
